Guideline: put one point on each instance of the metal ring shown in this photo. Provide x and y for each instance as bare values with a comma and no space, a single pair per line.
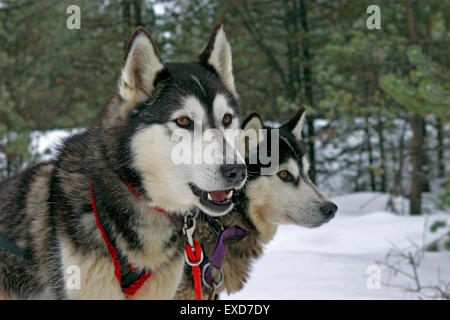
196,263
218,222
222,276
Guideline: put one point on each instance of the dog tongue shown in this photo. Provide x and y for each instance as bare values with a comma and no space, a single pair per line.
218,196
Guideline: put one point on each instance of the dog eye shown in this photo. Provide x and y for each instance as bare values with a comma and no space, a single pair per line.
183,122
285,176
227,118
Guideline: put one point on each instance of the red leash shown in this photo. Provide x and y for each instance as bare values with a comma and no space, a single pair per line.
195,260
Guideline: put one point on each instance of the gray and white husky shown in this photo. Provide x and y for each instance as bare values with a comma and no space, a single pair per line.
103,220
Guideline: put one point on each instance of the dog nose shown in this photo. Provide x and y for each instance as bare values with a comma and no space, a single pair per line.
328,208
234,173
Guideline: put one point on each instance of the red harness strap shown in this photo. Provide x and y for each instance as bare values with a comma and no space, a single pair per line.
111,249
138,195
131,289
133,191
196,272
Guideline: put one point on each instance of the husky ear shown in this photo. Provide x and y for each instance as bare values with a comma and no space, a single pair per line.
252,121
295,125
140,65
251,136
217,54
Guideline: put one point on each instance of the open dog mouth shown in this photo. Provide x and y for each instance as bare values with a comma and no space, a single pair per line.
218,200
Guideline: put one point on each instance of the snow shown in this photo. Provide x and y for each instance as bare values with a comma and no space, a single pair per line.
331,262
45,143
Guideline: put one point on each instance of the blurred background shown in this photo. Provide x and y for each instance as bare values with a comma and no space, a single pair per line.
378,101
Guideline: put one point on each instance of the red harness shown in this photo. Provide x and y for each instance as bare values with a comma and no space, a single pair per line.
123,270
130,280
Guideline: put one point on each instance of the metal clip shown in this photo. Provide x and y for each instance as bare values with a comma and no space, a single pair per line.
189,227
188,230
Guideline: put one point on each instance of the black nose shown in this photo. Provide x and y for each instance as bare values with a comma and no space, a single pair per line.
234,173
328,208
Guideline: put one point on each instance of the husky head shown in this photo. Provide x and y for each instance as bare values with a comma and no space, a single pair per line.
286,196
178,119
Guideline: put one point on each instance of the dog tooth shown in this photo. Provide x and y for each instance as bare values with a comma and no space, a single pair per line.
209,196
230,194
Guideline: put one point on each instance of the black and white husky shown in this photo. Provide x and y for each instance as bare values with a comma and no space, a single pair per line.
104,219
277,192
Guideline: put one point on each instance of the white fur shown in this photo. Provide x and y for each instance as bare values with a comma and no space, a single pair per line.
163,283
254,124
193,109
220,108
297,132
273,202
292,167
221,60
161,177
98,280
251,132
231,134
141,59
305,164
167,182
198,82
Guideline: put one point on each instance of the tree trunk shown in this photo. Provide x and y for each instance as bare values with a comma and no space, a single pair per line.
440,149
425,160
126,16
137,13
417,123
311,149
397,188
358,173
369,149
290,23
416,159
308,87
7,157
382,155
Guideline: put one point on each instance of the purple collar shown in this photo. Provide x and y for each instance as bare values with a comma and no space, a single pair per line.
218,254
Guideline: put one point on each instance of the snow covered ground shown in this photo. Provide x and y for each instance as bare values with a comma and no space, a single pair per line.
331,262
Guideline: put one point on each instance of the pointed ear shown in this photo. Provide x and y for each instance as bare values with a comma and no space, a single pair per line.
217,54
295,125
250,137
140,65
252,121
